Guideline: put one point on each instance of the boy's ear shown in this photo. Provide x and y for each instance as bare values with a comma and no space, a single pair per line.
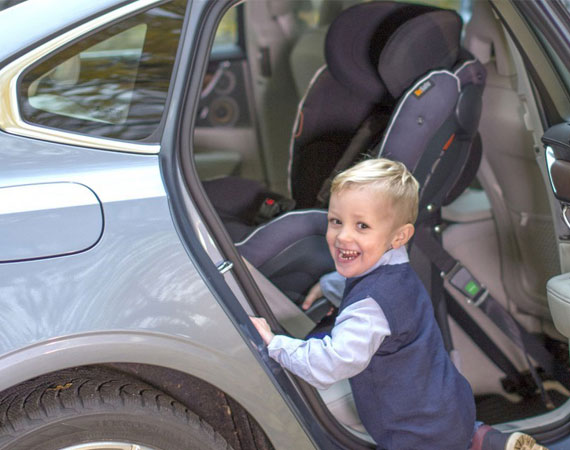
402,235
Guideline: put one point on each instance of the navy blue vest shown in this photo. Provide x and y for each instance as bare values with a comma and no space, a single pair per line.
410,396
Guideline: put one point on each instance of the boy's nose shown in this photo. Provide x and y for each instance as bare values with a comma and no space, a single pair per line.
344,235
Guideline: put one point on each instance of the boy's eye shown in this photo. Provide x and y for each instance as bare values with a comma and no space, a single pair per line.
334,221
362,226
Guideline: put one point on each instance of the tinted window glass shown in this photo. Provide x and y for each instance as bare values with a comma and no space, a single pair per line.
227,32
111,84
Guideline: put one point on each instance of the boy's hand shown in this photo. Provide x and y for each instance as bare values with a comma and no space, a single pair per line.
315,293
263,329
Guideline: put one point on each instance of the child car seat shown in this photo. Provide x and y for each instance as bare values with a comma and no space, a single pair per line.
429,92
347,104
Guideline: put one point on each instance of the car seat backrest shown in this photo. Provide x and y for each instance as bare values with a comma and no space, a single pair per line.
433,128
433,131
374,53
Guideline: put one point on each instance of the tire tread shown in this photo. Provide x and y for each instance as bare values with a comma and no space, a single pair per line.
75,391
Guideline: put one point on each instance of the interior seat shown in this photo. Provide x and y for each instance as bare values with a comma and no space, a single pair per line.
352,98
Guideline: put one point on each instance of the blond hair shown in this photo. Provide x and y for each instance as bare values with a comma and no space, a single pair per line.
388,177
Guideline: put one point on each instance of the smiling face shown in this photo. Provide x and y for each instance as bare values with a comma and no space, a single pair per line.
361,228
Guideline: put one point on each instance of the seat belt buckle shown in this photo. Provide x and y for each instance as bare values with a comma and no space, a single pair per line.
272,207
461,279
268,209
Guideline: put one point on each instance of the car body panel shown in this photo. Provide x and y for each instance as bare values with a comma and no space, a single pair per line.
233,369
27,21
113,302
49,219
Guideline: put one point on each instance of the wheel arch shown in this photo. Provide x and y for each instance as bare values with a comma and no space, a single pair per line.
173,365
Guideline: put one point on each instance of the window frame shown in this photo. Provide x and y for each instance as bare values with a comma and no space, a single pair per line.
11,120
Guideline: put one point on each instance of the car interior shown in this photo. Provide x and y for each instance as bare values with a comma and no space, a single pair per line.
296,91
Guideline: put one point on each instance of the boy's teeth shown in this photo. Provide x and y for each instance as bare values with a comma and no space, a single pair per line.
348,254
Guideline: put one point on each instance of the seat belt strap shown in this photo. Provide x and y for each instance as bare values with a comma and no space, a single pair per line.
476,294
481,339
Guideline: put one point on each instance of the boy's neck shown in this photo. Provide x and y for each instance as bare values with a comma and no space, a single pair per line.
390,257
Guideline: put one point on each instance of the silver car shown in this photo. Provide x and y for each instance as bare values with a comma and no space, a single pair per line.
124,300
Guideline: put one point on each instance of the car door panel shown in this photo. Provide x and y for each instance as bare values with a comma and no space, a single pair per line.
557,141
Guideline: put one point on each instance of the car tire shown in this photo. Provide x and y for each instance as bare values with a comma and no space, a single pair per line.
94,407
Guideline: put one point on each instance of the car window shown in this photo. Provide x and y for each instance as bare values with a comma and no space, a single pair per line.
227,32
113,83
314,13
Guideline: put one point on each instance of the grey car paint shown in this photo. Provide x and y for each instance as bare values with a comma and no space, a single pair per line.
48,219
25,24
134,296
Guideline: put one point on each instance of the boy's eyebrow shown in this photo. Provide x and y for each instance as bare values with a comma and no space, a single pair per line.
362,216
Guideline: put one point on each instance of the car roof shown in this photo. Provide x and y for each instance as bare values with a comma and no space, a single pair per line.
26,23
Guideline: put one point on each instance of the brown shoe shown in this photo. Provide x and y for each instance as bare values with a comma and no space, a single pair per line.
521,441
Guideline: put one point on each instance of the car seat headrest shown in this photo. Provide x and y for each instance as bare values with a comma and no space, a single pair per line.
355,40
427,42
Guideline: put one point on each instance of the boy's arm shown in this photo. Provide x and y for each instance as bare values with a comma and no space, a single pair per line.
330,286
358,332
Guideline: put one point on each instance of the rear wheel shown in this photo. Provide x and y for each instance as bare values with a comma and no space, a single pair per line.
97,409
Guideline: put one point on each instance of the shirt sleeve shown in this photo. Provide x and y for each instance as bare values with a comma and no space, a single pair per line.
357,334
332,285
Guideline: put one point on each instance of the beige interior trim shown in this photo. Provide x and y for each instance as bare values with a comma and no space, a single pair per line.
541,63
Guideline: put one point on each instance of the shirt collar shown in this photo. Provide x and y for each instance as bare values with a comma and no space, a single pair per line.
390,258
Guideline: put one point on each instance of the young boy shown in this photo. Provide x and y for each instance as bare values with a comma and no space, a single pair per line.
385,339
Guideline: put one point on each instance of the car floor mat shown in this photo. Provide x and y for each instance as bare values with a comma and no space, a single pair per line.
494,408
